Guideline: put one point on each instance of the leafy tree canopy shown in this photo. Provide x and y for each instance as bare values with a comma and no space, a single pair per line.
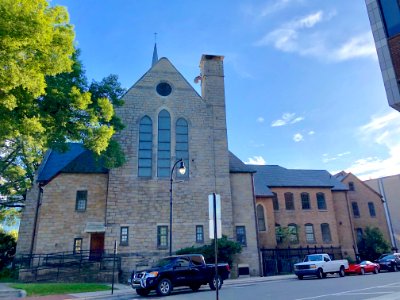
45,98
372,244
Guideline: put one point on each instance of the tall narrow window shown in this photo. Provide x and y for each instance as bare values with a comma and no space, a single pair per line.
241,235
278,233
351,186
261,218
371,208
162,237
326,233
356,212
289,201
321,203
182,144
310,237
359,234
275,201
199,234
77,246
81,200
293,233
164,144
305,201
124,236
145,147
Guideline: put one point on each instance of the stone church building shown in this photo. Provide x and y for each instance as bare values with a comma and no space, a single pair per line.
77,205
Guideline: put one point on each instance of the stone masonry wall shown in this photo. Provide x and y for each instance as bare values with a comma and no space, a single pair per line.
142,204
243,207
59,224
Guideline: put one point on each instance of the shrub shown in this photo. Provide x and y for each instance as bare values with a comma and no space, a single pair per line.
8,246
226,250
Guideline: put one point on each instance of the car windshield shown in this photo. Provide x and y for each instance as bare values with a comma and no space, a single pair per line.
364,262
313,258
383,255
387,257
163,262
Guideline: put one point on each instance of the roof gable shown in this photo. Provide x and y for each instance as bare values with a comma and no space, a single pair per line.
76,159
277,176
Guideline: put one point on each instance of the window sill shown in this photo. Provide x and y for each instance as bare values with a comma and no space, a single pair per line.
123,244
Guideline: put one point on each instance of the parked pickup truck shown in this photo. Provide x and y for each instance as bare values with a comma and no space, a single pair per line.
320,265
180,270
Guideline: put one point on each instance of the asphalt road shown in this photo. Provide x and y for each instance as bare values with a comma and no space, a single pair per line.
383,286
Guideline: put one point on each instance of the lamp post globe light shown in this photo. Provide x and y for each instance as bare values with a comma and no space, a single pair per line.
182,171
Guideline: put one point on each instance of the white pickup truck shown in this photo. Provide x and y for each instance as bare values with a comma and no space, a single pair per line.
320,265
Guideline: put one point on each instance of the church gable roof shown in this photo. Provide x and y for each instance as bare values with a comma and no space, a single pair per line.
76,159
163,71
277,176
237,166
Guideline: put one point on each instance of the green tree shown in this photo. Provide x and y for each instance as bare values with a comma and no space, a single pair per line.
372,244
70,110
226,250
45,100
8,244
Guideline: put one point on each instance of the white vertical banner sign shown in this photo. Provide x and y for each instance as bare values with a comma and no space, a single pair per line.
211,215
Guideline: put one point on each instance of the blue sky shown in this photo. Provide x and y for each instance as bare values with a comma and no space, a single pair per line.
303,85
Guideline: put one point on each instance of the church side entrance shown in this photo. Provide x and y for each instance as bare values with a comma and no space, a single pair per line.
96,245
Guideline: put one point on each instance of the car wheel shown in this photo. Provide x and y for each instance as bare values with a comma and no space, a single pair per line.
376,271
320,273
142,292
216,282
362,271
300,277
164,287
341,272
195,287
324,275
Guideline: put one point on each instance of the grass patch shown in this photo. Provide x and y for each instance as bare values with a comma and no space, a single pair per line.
43,289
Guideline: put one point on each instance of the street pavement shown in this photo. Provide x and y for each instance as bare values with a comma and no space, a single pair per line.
125,289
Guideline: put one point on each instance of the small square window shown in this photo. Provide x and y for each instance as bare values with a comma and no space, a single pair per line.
78,246
124,236
241,235
162,237
81,201
199,234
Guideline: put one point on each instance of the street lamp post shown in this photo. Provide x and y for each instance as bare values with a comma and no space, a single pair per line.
182,170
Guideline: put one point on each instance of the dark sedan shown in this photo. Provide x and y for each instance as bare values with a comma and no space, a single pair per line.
389,262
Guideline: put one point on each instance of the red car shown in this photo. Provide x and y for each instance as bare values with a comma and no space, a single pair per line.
363,267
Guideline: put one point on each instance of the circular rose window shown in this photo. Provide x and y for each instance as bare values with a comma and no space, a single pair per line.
164,89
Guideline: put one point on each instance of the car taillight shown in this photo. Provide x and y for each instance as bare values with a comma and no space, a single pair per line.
228,268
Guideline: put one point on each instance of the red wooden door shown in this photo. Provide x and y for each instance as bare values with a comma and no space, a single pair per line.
96,245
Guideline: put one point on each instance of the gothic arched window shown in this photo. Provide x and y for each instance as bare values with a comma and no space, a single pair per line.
261,218
164,144
145,147
182,144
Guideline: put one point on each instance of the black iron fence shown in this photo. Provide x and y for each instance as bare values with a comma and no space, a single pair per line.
281,260
61,266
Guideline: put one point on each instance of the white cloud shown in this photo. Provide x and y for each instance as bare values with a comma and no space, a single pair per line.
358,46
326,158
311,132
287,118
276,5
256,160
260,120
298,137
299,36
385,131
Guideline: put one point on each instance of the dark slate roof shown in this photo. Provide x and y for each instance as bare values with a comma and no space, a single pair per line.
237,166
76,159
277,176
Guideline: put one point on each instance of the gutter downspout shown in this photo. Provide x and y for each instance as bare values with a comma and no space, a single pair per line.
261,271
352,226
387,213
38,204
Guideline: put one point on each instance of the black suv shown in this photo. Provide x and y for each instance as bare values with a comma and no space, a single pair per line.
390,262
